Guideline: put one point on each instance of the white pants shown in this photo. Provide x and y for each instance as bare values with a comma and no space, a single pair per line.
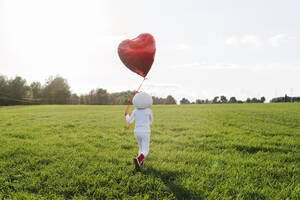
143,139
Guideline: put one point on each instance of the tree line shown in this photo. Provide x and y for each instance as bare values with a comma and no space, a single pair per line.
56,90
222,100
286,98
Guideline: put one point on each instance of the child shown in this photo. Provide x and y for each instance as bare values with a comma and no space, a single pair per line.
143,117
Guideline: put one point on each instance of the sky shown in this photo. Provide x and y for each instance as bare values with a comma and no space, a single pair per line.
203,48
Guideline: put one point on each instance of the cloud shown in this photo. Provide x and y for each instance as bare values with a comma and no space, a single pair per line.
276,66
155,89
278,40
176,90
168,86
182,46
232,41
163,90
206,66
254,41
111,38
248,40
233,66
251,40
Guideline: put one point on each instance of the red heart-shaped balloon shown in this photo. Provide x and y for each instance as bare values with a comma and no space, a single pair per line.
138,54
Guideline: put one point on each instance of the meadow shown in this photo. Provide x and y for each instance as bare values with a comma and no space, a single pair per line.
245,151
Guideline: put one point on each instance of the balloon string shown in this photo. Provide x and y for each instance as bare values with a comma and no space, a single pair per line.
127,108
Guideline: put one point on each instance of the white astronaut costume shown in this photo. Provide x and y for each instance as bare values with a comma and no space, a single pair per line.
143,117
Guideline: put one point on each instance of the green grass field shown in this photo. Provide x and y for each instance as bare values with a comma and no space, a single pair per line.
248,151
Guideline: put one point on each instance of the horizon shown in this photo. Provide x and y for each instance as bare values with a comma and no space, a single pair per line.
177,100
232,48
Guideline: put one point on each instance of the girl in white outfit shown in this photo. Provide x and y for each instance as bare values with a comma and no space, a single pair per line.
143,117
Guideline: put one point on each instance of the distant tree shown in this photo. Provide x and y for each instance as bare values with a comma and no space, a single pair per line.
184,101
14,91
125,97
91,98
158,100
82,99
18,91
223,99
100,97
248,100
262,99
121,98
278,99
254,100
207,101
57,91
216,100
232,100
295,99
37,91
170,100
3,91
199,101
287,98
74,99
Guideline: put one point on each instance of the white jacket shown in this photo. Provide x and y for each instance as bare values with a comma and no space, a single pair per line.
143,118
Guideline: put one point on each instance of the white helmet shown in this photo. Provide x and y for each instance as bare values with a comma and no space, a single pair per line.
142,100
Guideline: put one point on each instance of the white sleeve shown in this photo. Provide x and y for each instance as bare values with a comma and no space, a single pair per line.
151,117
129,118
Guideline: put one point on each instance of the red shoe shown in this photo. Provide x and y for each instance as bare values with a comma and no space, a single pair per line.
140,159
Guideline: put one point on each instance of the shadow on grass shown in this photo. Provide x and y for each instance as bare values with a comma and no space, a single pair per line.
169,178
253,149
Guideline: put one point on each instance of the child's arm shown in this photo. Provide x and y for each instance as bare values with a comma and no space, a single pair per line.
129,118
151,117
